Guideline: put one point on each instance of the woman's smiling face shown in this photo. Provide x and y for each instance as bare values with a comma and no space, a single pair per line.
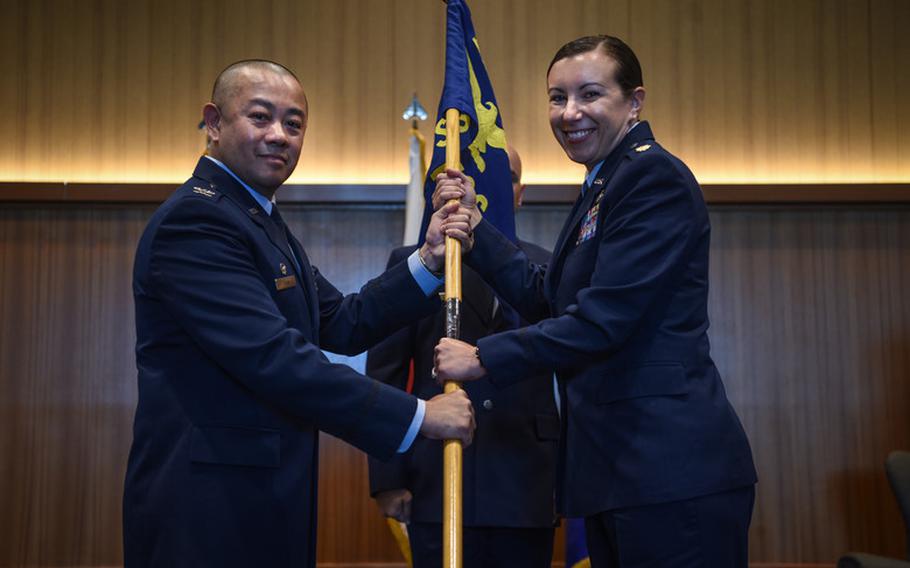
589,112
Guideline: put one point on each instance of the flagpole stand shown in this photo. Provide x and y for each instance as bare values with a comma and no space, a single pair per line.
452,449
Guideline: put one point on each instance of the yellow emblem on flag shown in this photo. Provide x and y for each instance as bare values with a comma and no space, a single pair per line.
488,133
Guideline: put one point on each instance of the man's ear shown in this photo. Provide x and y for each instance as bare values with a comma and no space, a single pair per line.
519,197
211,116
638,101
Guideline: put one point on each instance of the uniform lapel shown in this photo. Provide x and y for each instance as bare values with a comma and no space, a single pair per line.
308,281
584,202
563,234
223,182
277,235
566,240
478,297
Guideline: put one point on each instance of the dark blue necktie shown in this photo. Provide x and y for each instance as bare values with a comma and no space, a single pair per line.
283,229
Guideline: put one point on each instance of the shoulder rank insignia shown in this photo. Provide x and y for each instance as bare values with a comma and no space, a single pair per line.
203,191
642,148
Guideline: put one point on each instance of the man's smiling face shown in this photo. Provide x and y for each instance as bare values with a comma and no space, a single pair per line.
259,131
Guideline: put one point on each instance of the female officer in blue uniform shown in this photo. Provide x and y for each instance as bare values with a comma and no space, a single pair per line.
652,454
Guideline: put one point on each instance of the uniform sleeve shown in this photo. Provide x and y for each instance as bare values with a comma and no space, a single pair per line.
352,324
389,361
646,239
510,272
203,272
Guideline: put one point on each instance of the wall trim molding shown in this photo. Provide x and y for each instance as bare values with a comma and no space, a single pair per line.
555,565
393,194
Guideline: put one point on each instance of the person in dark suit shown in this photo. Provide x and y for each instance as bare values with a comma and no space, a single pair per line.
508,472
652,454
230,319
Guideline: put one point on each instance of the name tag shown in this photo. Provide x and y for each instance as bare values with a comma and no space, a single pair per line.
285,282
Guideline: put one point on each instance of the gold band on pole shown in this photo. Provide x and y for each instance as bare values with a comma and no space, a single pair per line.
452,450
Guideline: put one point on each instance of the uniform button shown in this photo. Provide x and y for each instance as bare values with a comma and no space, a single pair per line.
488,404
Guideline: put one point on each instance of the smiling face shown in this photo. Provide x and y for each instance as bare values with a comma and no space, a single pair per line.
257,127
589,112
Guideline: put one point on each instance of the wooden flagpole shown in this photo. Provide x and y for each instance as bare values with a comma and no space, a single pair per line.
452,450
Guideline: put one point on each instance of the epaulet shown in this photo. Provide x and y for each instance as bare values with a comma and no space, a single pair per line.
640,149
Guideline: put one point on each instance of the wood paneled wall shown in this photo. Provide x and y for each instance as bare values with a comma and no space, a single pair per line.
744,91
811,330
67,382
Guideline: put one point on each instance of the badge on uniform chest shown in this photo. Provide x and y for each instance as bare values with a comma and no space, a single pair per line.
589,222
285,282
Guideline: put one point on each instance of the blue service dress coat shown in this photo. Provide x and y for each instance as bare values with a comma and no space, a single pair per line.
233,386
621,312
509,468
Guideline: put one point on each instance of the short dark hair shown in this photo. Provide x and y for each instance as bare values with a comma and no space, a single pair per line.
628,69
224,87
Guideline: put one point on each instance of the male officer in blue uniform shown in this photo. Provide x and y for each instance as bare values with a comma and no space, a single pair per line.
653,455
230,318
508,509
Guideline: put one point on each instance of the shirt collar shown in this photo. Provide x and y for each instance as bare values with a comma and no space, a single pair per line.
260,199
589,179
592,175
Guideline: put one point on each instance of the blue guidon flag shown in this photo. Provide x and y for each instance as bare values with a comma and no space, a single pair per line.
576,547
483,141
